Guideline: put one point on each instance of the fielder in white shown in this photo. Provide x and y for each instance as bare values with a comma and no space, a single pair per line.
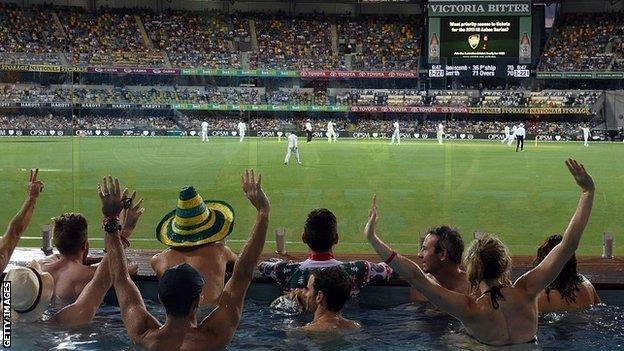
506,134
292,147
440,133
331,133
242,128
512,136
204,132
585,135
396,135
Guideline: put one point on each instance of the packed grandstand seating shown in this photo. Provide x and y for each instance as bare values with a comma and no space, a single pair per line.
195,39
64,35
382,42
258,96
294,42
583,42
191,120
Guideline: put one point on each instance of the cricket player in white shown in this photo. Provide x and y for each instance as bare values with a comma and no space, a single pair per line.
331,133
242,128
512,136
506,134
585,135
204,128
440,133
292,147
396,135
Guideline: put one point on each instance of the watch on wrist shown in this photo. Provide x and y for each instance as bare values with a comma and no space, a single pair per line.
111,225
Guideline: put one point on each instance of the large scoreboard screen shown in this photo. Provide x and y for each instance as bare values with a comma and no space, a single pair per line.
480,34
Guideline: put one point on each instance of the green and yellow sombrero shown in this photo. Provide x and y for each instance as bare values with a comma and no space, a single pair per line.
195,221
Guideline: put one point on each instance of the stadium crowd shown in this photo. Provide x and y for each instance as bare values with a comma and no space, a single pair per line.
258,96
302,42
206,39
191,120
191,39
212,39
580,42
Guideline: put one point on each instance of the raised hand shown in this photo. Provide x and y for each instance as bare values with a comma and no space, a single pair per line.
369,229
110,195
253,190
34,186
582,178
129,216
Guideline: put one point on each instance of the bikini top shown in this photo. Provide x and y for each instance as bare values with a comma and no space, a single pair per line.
495,294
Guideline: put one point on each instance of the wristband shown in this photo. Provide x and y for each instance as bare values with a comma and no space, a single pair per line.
392,256
124,241
111,225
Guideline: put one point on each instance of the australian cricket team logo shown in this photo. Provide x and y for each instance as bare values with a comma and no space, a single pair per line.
474,40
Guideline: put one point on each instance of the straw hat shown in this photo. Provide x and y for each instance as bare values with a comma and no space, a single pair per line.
195,221
31,292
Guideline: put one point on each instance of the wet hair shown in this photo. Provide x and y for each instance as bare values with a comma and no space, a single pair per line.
335,284
69,232
450,240
568,281
180,307
321,230
179,289
487,258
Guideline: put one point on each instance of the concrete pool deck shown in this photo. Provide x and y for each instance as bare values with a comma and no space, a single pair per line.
603,273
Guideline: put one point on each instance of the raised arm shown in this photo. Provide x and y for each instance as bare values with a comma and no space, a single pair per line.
133,312
83,310
20,222
456,304
222,323
537,279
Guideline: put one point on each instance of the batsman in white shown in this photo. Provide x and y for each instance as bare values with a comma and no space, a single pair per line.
331,133
506,131
396,136
512,135
585,130
440,134
242,128
292,148
204,131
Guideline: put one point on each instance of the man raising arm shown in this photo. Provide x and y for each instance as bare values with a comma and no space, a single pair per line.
179,290
20,222
505,313
83,310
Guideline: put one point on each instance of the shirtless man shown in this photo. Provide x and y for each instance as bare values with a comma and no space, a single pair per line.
440,258
33,289
180,287
20,222
210,255
326,294
505,313
70,267
571,290
211,260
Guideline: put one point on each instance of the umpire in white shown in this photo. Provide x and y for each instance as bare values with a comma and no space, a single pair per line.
520,134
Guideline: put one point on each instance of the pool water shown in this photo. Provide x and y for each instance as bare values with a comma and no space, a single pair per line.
405,327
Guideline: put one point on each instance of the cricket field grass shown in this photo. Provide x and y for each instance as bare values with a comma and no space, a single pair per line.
474,185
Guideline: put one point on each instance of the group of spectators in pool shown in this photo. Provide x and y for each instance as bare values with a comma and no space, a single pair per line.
191,272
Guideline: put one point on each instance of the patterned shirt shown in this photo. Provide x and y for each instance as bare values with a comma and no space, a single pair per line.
292,275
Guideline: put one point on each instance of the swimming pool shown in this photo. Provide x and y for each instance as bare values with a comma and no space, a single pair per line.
404,327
